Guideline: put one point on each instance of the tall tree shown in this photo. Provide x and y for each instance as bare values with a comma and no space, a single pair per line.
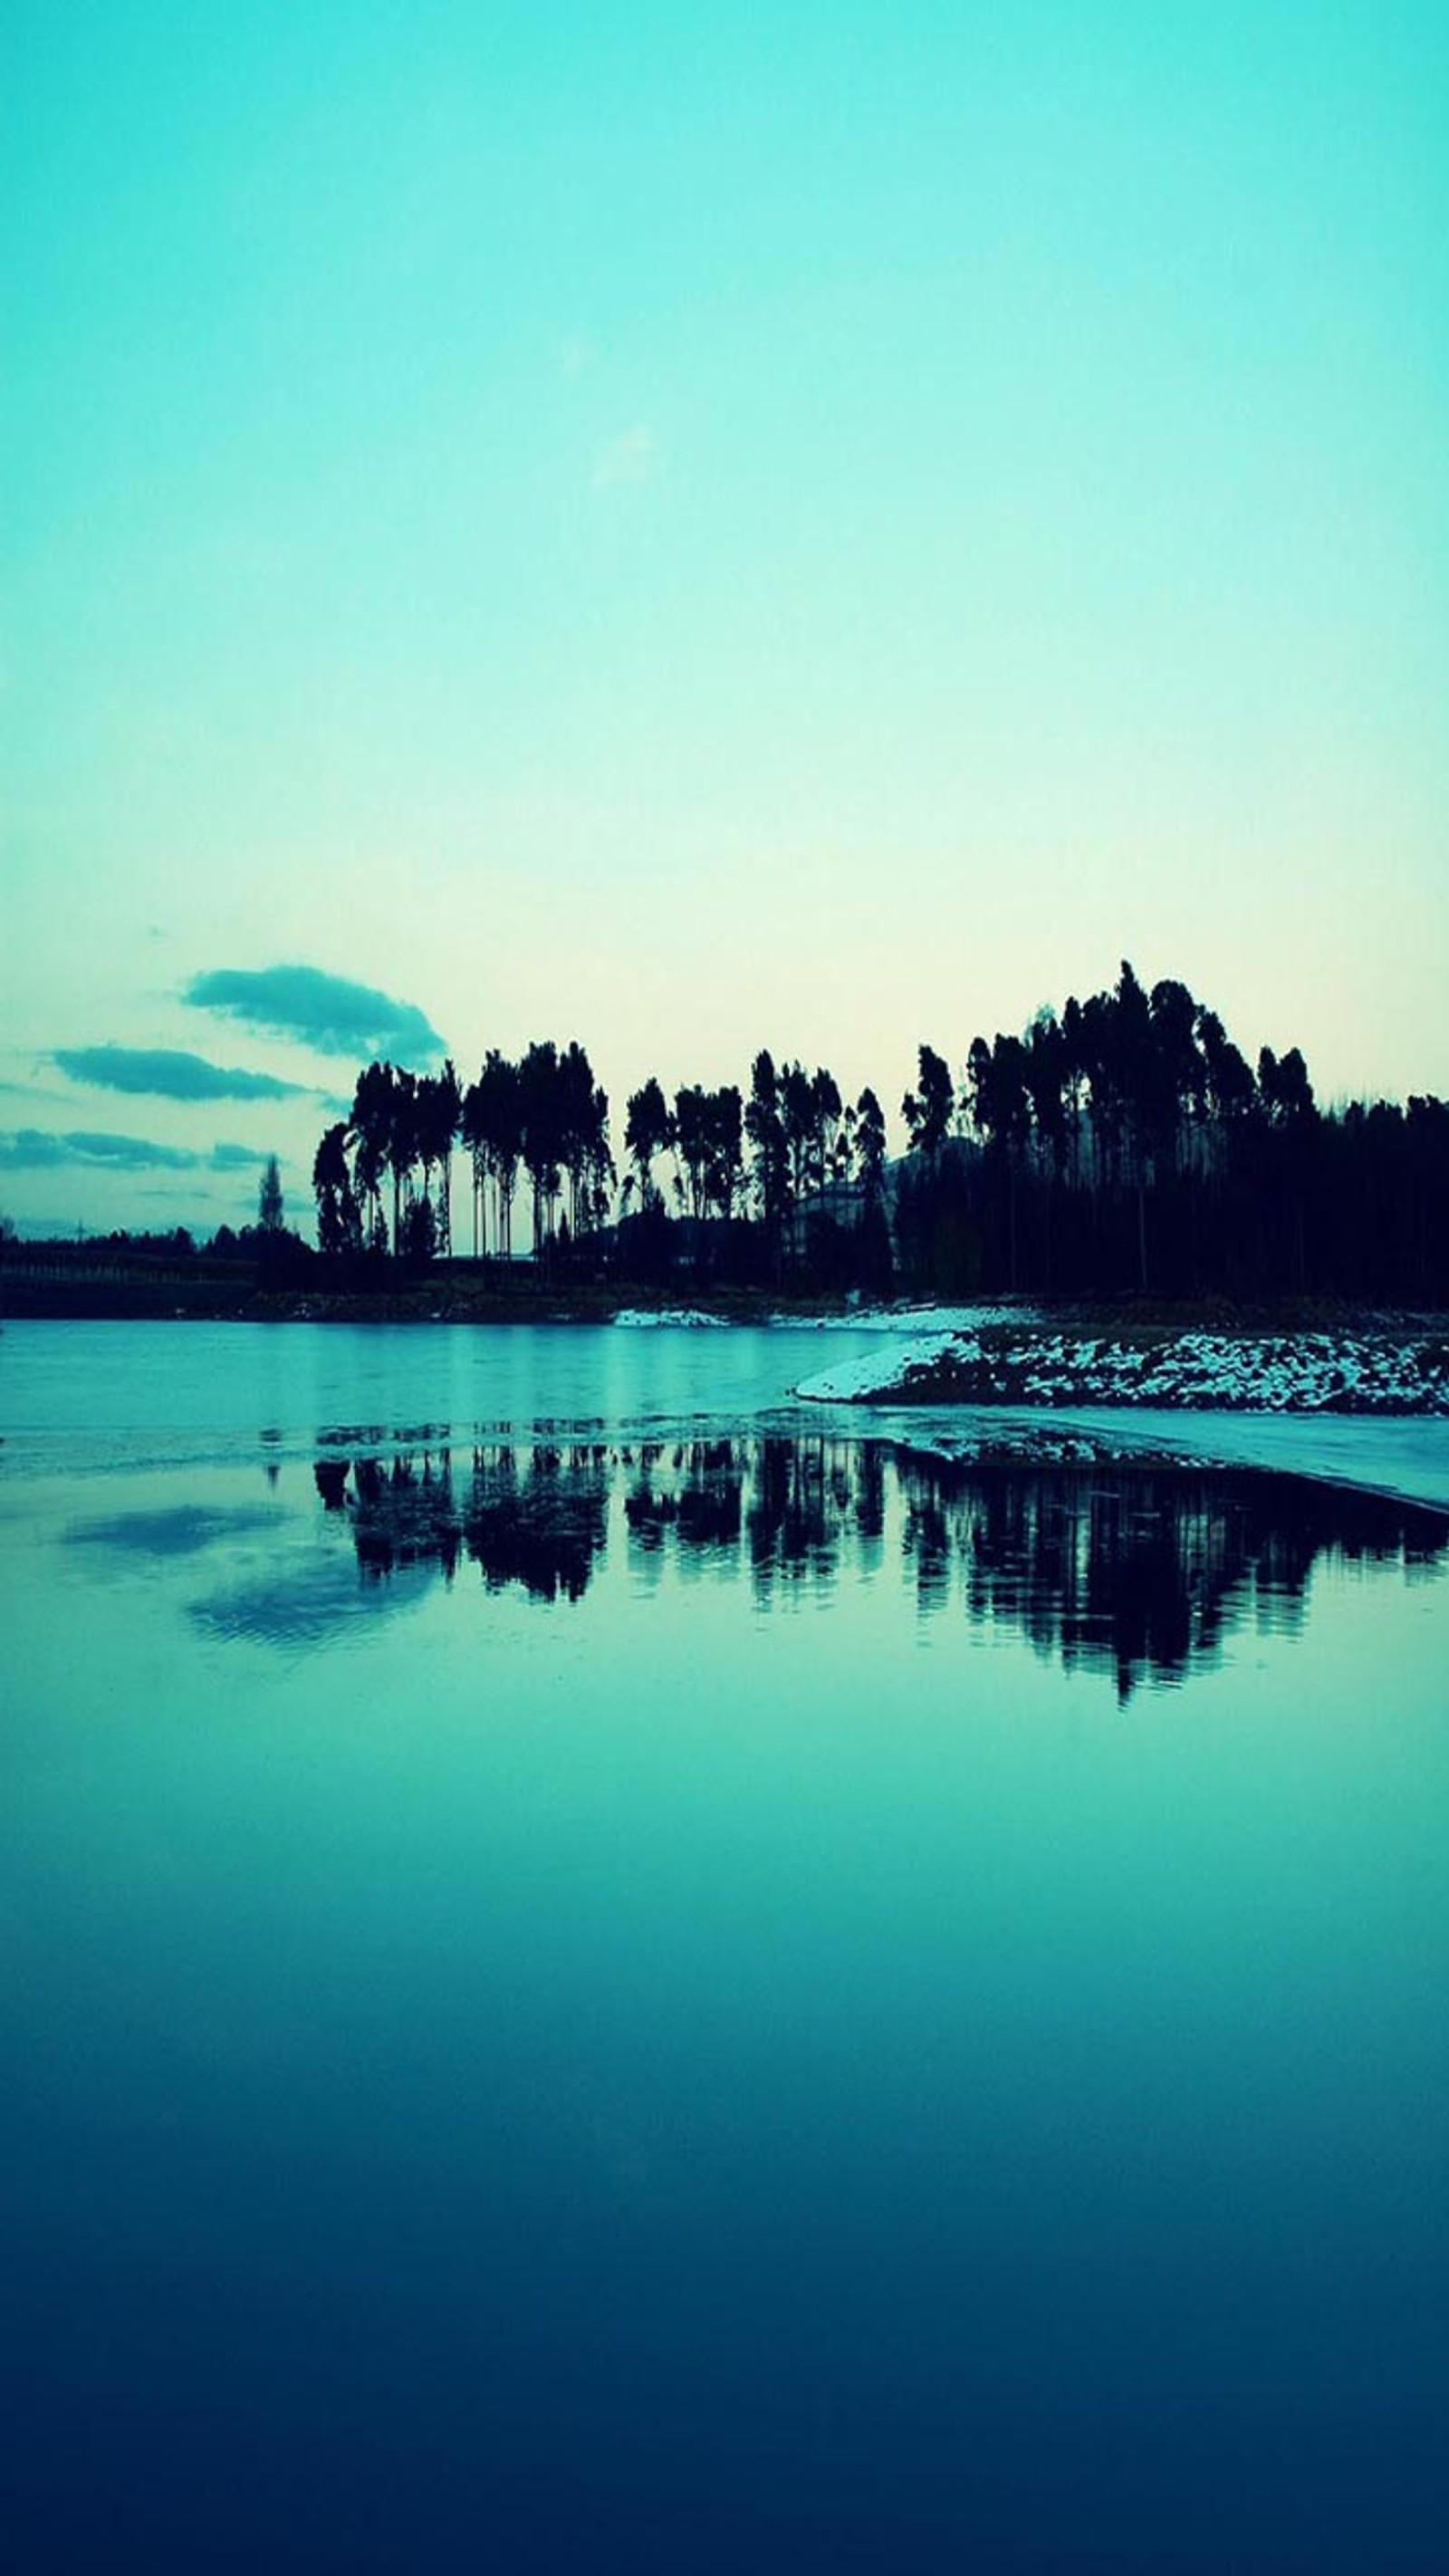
648,1130
726,1149
826,1111
798,1119
499,1116
577,1126
445,1120
599,1174
692,1145
339,1225
475,1143
927,1110
270,1211
402,1140
870,1145
370,1128
765,1129
542,1120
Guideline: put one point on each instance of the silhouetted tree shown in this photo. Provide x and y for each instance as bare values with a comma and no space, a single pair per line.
499,1113
765,1129
369,1127
726,1173
444,1125
541,1104
928,1109
648,1130
270,1215
870,1145
402,1140
339,1221
690,1124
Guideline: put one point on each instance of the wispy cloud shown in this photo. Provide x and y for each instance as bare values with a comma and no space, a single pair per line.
577,354
237,1158
630,459
170,1073
29,1149
324,1011
37,1091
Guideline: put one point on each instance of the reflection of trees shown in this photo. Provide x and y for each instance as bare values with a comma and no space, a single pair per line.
539,1518
1138,1569
1132,1569
689,1494
802,1511
536,1517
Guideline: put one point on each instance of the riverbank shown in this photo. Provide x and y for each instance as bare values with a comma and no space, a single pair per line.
1369,1365
468,1293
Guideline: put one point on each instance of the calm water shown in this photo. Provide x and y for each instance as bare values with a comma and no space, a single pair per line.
601,1975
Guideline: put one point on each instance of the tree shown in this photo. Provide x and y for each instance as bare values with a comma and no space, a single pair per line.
870,1145
826,1111
1001,1106
692,1144
440,1112
798,1118
648,1130
270,1213
496,1140
765,1129
403,1140
598,1169
927,1110
470,1124
369,1127
726,1148
339,1223
873,1245
582,1123
541,1106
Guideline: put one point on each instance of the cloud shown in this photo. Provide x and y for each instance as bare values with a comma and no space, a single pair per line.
324,1011
26,1149
577,355
236,1158
37,1091
169,1072
631,458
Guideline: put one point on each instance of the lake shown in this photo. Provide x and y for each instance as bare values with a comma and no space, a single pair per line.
606,1971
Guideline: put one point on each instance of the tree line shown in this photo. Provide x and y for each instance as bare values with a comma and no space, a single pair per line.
1123,1143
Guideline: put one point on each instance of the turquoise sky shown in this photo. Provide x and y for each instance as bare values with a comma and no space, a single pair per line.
819,532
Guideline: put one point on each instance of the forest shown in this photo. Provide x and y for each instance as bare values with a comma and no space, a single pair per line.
1124,1144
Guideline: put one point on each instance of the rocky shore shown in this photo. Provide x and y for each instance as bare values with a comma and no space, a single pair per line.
1398,1369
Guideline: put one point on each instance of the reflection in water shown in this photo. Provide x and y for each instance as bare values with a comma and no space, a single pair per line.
1138,1570
537,1517
176,1529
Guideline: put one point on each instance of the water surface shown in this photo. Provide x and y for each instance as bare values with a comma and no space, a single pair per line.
640,1986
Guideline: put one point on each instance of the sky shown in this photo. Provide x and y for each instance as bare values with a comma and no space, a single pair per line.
632,524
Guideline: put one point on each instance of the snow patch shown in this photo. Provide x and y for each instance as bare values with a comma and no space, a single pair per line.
911,1320
877,1375
641,1319
1277,1373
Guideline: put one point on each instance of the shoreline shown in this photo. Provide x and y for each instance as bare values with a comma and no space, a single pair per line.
1373,1367
528,1298
1128,1355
